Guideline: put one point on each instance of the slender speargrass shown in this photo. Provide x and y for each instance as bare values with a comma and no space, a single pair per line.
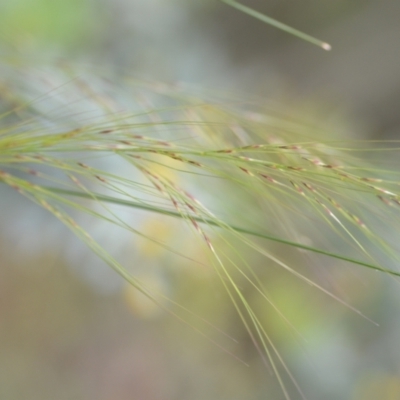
238,176
73,149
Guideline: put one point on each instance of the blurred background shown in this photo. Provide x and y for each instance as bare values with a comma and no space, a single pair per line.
70,328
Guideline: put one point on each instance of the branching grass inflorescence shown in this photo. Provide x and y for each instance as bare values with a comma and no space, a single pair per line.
56,145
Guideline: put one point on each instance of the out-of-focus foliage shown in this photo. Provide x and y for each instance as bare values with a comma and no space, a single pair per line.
31,26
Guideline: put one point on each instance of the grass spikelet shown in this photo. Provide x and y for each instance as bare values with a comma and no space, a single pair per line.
210,166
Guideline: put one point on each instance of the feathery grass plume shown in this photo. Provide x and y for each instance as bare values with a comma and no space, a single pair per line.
237,176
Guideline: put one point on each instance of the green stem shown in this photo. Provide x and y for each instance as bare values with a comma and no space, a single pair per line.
109,199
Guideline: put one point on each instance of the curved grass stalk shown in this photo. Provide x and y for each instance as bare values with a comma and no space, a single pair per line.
241,230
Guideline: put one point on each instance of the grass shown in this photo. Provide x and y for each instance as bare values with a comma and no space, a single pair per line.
232,173
265,18
225,150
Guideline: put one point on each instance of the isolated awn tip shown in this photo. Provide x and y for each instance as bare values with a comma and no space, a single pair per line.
326,46
277,24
